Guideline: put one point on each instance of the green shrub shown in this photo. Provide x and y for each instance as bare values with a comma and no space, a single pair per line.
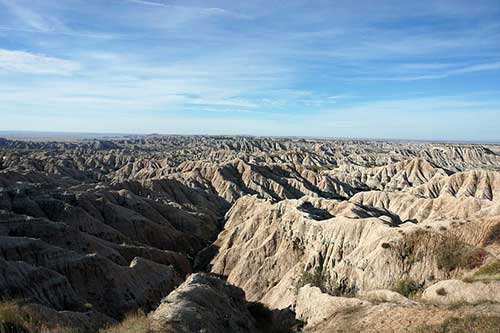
407,287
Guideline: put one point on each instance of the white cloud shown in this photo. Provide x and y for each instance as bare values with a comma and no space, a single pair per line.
25,62
199,11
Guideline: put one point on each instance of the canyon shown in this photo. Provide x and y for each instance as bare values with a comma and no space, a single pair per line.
248,234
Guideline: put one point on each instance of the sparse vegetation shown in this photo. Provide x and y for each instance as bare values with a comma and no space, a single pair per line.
135,322
453,254
493,235
411,249
321,280
10,320
466,324
407,287
316,279
14,320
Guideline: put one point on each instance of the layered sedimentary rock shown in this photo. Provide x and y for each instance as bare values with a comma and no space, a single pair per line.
265,249
97,228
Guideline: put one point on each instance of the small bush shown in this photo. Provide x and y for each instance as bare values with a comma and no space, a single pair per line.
316,279
453,254
322,281
407,287
412,249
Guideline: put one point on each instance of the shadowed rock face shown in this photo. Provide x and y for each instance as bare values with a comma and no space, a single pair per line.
99,228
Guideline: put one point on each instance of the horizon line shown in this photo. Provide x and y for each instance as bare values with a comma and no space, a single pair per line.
18,134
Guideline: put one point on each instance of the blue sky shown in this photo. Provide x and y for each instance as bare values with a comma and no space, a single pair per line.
378,69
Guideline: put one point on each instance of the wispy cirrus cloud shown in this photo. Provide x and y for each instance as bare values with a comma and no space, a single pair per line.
195,61
199,10
30,63
195,10
69,33
30,18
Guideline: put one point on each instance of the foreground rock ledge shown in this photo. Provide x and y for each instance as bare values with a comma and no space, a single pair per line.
203,303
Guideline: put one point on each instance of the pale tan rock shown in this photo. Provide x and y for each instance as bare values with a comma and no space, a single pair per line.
266,247
313,306
449,292
323,313
384,295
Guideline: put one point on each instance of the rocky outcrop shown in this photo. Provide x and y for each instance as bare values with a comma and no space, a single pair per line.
478,184
203,303
391,177
38,284
314,307
386,296
67,280
325,313
266,247
449,292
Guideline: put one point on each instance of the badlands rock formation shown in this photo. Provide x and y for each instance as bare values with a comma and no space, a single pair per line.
203,303
329,233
